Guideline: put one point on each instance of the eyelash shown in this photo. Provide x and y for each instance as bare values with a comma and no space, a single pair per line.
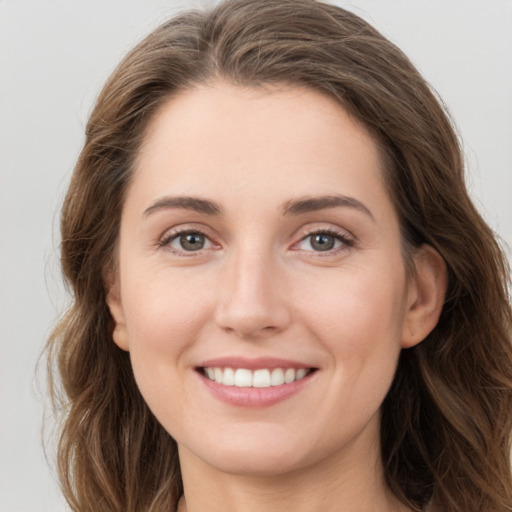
166,240
346,242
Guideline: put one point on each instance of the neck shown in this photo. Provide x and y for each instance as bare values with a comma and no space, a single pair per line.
354,484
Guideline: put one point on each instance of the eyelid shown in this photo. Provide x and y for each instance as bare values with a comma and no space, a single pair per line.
172,233
343,235
346,238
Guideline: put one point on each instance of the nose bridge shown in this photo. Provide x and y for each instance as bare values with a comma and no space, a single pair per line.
251,301
251,279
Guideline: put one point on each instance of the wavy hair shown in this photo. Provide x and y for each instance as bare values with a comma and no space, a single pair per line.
447,419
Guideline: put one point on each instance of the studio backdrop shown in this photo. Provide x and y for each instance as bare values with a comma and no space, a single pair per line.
55,56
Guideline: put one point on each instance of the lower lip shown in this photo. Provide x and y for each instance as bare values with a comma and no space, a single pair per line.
255,397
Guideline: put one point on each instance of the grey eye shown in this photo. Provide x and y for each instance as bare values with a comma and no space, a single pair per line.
322,241
191,241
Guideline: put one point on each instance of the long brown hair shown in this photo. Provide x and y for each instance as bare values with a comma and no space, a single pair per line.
447,420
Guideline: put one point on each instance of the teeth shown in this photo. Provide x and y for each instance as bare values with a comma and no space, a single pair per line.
243,378
277,377
300,373
289,375
228,379
263,378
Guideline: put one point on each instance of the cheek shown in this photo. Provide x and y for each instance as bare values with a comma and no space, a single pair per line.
358,318
358,307
360,325
164,312
164,317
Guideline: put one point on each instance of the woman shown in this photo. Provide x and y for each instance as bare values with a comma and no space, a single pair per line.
283,295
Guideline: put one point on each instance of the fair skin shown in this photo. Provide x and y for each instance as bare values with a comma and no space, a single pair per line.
257,234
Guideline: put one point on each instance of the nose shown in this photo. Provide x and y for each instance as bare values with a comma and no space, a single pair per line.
252,300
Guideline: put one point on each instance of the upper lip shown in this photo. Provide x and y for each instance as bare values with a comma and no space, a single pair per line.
252,363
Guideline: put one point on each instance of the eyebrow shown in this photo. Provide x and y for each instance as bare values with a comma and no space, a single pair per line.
293,207
313,204
185,202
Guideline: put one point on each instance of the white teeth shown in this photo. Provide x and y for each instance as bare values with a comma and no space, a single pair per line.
289,375
263,378
243,378
300,373
277,378
228,379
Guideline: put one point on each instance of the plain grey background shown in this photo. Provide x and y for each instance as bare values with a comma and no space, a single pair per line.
54,57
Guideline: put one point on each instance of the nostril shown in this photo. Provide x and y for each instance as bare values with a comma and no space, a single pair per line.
248,325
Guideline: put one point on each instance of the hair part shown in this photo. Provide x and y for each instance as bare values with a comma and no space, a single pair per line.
447,419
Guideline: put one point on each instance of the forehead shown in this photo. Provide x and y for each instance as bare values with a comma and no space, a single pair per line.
255,139
243,111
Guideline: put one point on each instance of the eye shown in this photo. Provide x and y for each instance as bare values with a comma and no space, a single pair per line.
324,241
187,241
190,241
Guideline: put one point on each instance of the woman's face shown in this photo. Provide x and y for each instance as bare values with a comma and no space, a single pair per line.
261,290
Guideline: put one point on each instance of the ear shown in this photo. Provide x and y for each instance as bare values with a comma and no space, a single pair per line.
427,289
114,303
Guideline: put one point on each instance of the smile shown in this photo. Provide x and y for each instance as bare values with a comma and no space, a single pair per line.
260,378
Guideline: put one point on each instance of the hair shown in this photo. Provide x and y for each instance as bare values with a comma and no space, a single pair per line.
447,419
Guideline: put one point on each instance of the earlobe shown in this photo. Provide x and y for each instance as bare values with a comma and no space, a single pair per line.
115,306
427,289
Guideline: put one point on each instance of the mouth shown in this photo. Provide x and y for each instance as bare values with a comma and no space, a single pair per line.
258,378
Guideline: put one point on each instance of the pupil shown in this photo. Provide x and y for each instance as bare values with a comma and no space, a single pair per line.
322,242
192,241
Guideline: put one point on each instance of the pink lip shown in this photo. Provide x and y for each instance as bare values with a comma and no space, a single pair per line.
251,364
254,397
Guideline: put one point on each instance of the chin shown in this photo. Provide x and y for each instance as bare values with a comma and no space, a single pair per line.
252,464
256,456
